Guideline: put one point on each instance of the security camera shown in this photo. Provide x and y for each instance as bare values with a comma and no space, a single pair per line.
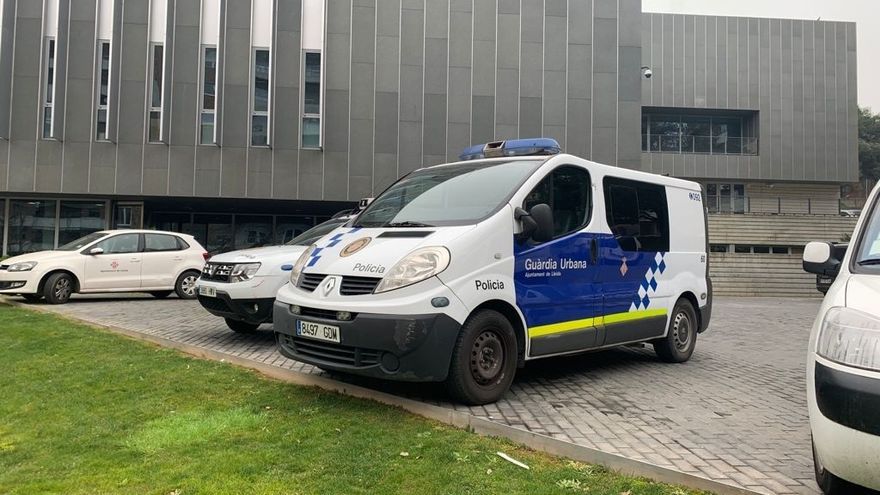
646,71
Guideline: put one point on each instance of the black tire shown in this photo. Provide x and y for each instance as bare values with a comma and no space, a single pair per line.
161,294
58,288
476,374
681,337
241,326
185,287
32,298
831,484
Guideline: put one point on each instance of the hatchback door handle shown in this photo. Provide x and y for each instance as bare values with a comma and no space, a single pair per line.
135,260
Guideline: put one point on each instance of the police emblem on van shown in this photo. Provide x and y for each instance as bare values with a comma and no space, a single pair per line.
355,246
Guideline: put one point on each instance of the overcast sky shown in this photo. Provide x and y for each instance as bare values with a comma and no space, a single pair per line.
866,13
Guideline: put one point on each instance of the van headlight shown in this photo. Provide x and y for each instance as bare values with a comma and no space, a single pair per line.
850,337
416,266
300,264
24,266
243,271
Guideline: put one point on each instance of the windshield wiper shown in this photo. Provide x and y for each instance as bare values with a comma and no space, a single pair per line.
869,261
407,223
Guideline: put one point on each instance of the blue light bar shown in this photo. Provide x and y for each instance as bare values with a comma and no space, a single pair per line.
512,147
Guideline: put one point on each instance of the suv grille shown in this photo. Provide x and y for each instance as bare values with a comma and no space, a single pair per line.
217,272
333,353
310,281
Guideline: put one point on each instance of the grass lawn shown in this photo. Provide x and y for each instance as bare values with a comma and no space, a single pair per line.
86,411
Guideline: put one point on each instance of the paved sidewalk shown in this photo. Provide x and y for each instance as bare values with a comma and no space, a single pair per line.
736,413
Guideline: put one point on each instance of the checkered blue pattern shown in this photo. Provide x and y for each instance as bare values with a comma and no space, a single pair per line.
333,241
649,284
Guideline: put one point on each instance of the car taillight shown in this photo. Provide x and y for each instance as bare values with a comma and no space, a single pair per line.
206,256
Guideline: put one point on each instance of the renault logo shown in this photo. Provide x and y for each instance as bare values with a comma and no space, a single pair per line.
355,246
329,285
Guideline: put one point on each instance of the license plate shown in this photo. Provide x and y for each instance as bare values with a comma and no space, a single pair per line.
207,291
317,331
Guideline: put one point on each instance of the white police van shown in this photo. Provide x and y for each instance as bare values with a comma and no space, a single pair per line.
462,272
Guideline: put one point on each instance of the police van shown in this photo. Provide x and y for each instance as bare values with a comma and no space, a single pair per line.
462,272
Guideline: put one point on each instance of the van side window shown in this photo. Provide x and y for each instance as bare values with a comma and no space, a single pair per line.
637,214
567,191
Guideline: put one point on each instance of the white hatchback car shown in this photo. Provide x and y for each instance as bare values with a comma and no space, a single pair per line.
843,364
155,262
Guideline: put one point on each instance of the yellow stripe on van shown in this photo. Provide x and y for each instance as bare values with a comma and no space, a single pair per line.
568,326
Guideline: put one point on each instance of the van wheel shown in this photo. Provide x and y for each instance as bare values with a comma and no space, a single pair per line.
831,484
240,326
186,285
58,288
483,359
681,337
161,294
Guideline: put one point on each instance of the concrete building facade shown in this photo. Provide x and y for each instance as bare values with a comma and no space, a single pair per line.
245,121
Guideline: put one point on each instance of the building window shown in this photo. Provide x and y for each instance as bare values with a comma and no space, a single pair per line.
260,109
207,128
103,90
253,231
49,91
311,116
666,131
157,79
31,226
79,218
726,198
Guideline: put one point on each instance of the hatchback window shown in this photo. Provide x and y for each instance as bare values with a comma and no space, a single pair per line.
120,244
160,242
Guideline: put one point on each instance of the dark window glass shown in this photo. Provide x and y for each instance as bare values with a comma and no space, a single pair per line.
155,126
667,128
311,132
210,77
739,198
160,242
638,214
31,226
157,78
724,197
287,228
719,248
171,222
105,74
779,250
312,93
2,223
695,134
742,249
207,128
102,124
315,233
120,244
79,218
82,242
761,249
47,122
214,232
252,231
260,130
50,71
261,81
567,191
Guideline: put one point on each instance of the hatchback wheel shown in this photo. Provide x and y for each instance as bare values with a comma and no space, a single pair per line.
186,285
58,288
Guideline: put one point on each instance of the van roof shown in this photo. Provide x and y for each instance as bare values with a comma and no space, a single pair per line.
624,173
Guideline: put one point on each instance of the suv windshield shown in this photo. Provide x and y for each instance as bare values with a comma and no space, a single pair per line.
868,253
459,194
82,241
316,232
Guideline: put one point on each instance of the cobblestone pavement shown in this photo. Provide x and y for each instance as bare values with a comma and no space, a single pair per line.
735,413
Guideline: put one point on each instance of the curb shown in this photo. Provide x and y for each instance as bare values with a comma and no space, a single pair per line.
444,415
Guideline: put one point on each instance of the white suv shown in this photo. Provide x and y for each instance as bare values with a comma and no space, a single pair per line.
155,262
240,286
843,364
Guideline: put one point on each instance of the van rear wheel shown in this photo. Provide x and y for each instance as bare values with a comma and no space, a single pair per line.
681,337
483,359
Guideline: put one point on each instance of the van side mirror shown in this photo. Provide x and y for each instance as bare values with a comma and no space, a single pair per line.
96,250
821,258
543,217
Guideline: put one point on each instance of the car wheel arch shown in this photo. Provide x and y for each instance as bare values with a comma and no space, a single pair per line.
76,280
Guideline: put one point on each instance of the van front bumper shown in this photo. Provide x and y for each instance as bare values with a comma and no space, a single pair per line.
415,348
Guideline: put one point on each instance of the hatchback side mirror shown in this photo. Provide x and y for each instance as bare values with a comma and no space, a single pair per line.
96,250
820,258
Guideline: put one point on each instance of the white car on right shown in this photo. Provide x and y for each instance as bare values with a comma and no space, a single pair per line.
843,365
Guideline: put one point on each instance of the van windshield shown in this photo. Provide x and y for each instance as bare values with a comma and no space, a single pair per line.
868,254
458,194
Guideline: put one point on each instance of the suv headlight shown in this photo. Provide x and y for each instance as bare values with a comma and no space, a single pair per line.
300,264
24,266
243,271
416,266
850,337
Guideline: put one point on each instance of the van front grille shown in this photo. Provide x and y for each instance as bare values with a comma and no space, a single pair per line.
310,281
330,352
357,286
